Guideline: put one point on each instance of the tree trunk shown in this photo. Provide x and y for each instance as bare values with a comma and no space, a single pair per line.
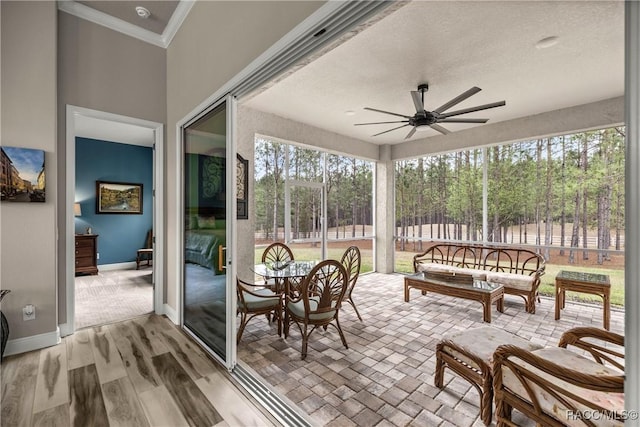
575,228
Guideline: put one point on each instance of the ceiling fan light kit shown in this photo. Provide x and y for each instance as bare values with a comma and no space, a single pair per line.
423,119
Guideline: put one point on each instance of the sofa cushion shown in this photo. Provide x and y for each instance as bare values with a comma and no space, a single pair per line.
511,280
443,268
552,406
482,342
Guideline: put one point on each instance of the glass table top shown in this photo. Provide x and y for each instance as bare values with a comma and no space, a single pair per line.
479,285
284,269
581,276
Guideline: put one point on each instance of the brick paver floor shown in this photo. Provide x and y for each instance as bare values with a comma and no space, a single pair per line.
385,378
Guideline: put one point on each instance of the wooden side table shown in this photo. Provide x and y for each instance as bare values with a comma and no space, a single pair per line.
588,283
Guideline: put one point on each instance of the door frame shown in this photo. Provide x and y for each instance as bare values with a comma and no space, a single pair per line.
230,224
72,112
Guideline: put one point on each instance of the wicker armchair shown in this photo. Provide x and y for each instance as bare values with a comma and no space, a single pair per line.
558,387
253,301
318,303
351,259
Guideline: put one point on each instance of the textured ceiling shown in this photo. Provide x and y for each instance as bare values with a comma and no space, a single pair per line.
454,46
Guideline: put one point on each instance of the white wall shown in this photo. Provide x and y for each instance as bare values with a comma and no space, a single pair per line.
28,230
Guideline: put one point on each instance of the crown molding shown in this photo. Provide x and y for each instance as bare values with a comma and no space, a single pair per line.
161,40
174,24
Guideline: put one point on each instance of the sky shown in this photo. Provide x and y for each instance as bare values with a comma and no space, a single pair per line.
28,162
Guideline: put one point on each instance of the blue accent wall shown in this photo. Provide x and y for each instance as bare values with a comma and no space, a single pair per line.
120,235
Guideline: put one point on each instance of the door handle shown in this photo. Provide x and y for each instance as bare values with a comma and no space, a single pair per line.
221,251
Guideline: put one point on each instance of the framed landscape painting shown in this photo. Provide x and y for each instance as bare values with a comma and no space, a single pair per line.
118,198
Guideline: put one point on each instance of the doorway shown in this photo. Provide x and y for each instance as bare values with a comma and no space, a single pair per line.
208,215
82,122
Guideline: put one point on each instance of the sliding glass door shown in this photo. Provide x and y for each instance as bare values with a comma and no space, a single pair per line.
206,289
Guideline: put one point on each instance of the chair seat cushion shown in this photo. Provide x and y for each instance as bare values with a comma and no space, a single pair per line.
482,342
266,299
552,406
297,309
511,280
444,268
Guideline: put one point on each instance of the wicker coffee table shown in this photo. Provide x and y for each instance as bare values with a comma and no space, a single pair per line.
588,283
480,290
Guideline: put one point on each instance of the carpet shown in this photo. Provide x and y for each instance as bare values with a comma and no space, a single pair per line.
112,296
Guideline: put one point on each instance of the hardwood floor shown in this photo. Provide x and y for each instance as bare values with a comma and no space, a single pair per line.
140,372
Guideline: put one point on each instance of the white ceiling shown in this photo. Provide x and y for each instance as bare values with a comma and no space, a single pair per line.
111,131
454,46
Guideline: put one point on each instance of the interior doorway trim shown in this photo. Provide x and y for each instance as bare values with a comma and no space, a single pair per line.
72,113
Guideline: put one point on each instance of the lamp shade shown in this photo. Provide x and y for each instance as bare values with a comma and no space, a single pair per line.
77,211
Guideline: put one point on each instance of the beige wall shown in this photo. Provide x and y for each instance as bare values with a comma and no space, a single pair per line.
28,104
216,41
103,70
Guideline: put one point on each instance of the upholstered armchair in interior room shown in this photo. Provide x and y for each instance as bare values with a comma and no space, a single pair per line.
555,386
318,303
253,301
351,259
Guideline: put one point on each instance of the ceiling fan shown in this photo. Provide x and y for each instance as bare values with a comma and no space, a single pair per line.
425,119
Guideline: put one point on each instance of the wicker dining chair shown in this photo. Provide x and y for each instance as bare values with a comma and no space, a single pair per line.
351,259
318,304
253,301
274,253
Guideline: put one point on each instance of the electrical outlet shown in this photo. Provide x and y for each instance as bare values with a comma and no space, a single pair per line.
29,312
98,255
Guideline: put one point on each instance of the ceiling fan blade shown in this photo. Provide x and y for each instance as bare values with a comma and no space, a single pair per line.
411,132
389,130
387,112
463,120
440,129
458,99
417,101
472,109
380,123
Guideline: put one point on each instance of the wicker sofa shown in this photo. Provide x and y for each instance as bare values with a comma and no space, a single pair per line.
518,270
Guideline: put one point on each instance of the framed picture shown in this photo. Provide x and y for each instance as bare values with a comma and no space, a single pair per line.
22,174
242,187
118,198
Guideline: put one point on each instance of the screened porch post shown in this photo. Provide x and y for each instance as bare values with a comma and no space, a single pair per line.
384,212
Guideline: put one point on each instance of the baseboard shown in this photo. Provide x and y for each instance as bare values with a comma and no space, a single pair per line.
35,342
65,329
171,314
118,266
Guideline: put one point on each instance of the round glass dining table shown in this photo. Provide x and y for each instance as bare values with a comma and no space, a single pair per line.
283,272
